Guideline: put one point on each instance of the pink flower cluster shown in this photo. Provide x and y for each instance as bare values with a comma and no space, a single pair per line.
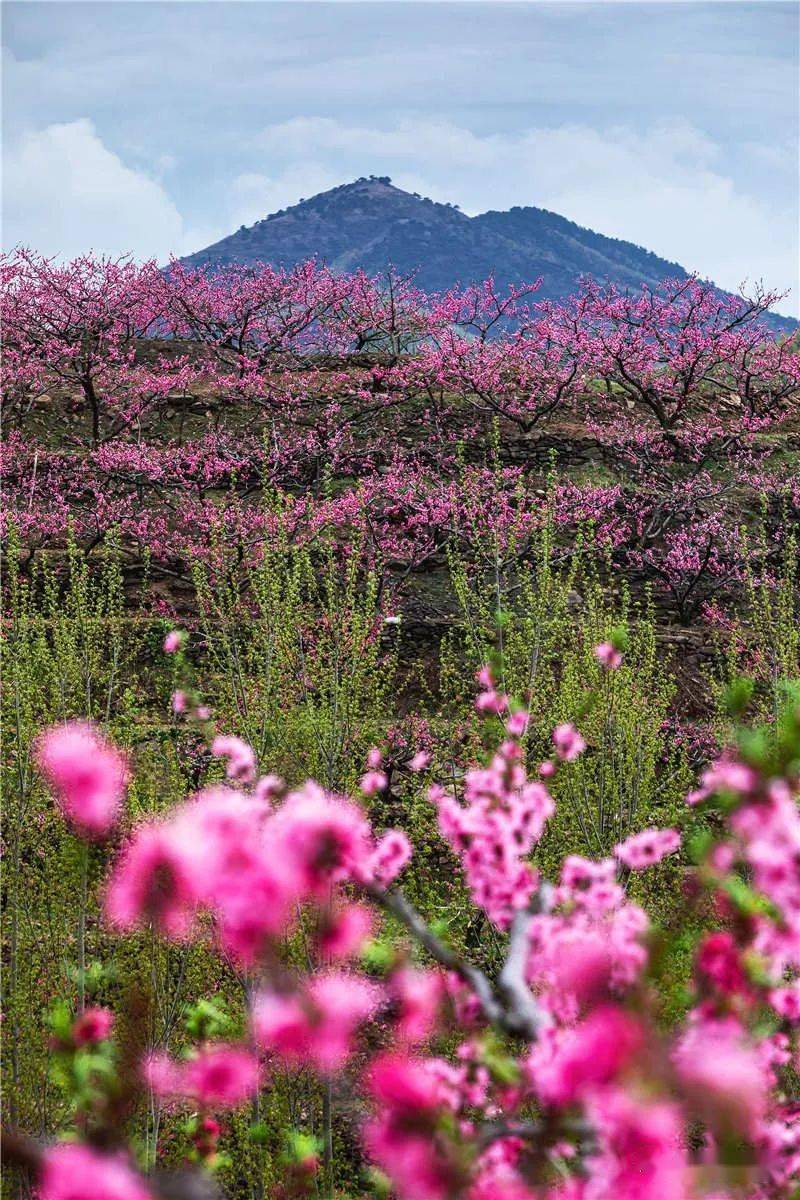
231,854
74,1172
644,849
87,775
562,1082
494,830
217,1077
316,1026
590,945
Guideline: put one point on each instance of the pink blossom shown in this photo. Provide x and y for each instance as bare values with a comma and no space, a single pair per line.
644,849
75,1172
491,702
221,1077
268,787
218,1076
419,761
173,641
87,774
390,857
590,945
400,1135
162,1074
372,782
786,1002
418,995
725,776
240,756
156,878
317,1026
582,965
517,723
641,1152
719,962
608,656
345,932
568,742
93,1025
493,832
326,837
723,1073
571,1063
179,702
246,875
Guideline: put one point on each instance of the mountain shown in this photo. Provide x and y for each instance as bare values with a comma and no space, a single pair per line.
371,224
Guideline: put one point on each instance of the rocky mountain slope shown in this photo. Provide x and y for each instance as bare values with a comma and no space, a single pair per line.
371,224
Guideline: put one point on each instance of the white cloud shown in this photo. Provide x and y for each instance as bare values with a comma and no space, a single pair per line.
65,193
253,195
663,189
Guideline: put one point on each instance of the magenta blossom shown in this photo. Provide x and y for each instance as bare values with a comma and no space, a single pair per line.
517,723
568,742
93,1025
75,1172
373,782
218,1077
491,701
571,1063
87,774
344,932
645,849
418,995
241,759
316,1027
608,656
156,879
222,1077
173,641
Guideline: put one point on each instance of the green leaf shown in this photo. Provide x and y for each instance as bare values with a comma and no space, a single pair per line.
738,695
378,956
59,1020
301,1146
205,1020
258,1133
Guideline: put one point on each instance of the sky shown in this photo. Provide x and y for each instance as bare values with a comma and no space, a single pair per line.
153,128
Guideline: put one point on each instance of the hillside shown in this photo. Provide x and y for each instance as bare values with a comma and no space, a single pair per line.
371,224
256,547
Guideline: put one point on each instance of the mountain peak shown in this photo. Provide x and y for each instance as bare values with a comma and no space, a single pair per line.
371,224
371,192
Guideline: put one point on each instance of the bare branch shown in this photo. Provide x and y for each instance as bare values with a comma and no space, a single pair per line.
515,1009
523,1010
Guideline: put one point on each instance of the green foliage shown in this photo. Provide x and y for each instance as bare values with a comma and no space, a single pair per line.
538,617
206,1019
758,647
295,655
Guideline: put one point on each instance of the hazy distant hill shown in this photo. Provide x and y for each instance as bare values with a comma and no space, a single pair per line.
372,224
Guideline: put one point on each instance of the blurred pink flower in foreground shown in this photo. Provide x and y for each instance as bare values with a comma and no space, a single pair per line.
73,1172
87,775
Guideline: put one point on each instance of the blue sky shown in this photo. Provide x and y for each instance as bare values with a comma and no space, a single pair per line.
156,127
